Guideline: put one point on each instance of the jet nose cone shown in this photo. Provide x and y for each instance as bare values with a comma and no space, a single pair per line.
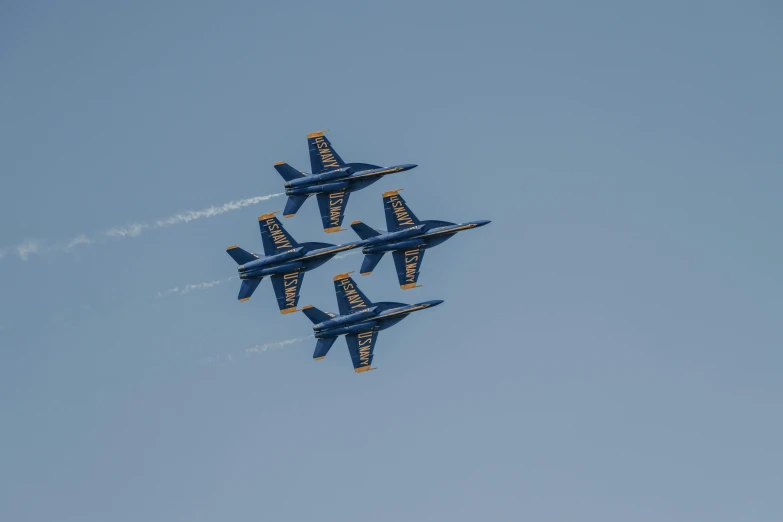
483,222
408,166
436,302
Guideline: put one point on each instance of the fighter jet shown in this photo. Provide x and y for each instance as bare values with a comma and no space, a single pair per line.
360,320
332,181
406,239
286,261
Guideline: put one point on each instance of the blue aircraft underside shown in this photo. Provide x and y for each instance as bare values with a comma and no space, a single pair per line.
332,181
360,320
285,262
407,239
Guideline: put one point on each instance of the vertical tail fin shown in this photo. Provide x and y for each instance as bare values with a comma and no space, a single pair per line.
315,315
293,205
248,287
364,231
369,263
239,255
288,172
322,347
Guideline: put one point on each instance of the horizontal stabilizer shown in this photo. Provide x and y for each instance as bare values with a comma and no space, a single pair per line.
288,172
370,262
240,256
248,287
363,230
315,315
293,205
322,347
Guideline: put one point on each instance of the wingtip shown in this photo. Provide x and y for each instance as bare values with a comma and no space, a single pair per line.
332,230
317,133
342,276
268,215
391,192
408,286
279,163
306,307
243,299
364,369
319,358
357,222
286,311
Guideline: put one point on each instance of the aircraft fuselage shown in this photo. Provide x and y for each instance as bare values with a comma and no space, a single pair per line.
372,318
421,237
337,180
296,259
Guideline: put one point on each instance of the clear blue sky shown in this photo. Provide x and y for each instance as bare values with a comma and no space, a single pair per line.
609,348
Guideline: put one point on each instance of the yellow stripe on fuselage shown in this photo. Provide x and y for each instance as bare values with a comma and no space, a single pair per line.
338,249
376,173
420,307
448,230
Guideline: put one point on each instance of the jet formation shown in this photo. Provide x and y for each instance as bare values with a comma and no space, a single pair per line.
285,261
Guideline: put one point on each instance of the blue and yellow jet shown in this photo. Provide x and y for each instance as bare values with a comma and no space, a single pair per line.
359,321
285,262
332,181
406,239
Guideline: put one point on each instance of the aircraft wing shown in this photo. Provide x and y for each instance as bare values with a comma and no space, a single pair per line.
349,298
398,214
287,287
408,265
274,237
323,157
332,206
361,347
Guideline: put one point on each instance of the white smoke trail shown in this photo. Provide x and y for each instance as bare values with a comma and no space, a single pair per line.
131,230
276,346
191,287
24,250
259,348
81,239
191,215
